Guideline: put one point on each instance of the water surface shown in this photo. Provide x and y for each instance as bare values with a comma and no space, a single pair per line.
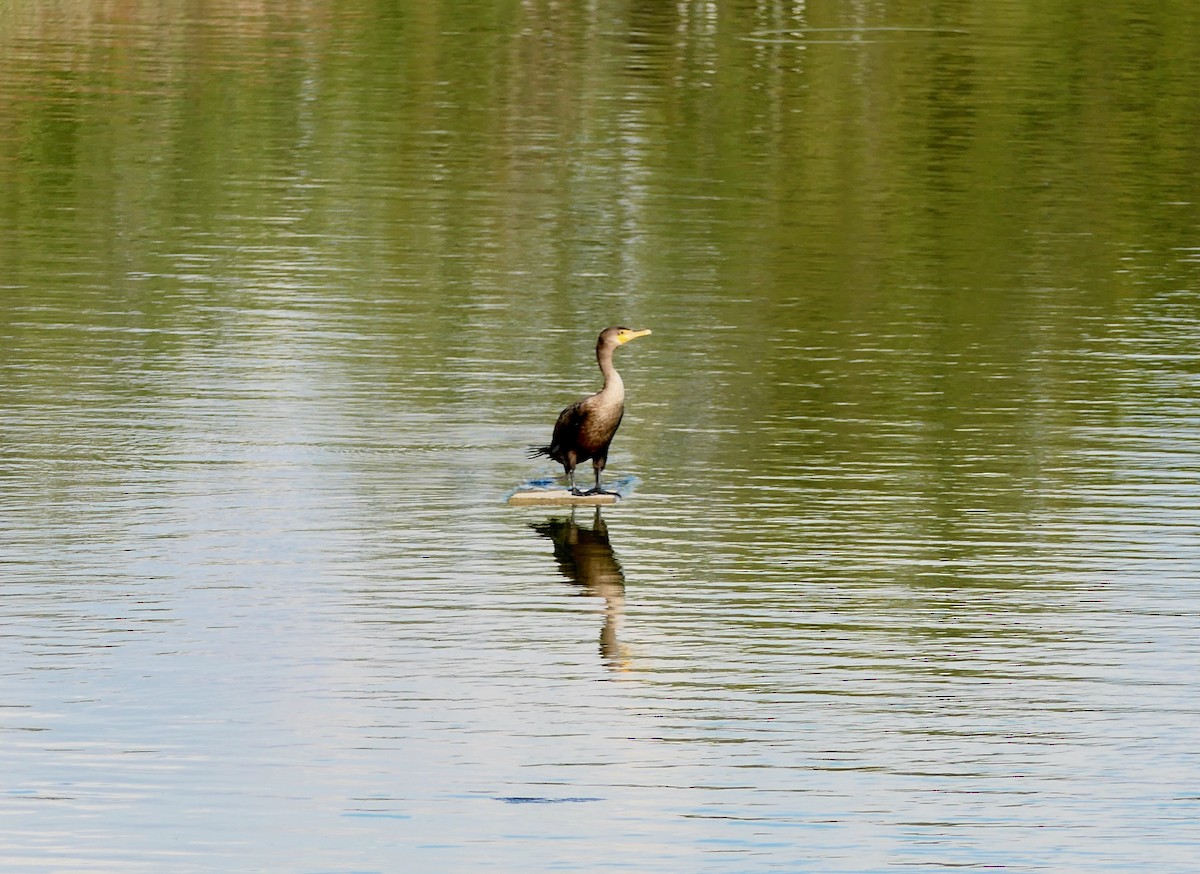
908,575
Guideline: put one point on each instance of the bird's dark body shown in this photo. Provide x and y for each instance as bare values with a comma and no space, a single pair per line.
586,428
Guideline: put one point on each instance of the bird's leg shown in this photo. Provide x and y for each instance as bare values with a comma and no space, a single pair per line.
571,487
599,466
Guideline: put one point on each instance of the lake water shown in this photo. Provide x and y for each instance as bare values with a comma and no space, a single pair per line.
908,573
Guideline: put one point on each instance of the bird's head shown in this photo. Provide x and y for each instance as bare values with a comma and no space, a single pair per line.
619,336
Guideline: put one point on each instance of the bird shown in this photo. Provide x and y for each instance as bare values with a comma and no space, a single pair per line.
585,429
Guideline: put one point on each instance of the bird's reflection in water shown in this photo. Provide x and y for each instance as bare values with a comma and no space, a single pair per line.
585,557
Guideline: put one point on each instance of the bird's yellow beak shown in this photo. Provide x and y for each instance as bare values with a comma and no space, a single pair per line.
625,336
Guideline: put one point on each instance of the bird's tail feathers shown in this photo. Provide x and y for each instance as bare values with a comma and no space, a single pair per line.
538,452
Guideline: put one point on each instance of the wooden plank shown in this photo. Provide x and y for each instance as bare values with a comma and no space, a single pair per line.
561,497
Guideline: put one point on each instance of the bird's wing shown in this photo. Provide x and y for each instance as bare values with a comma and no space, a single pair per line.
569,424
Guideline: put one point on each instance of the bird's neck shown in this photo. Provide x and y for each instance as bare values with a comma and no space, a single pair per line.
613,386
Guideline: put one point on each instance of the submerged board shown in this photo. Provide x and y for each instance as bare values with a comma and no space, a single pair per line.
562,497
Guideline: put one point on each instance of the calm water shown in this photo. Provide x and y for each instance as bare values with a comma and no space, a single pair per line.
909,575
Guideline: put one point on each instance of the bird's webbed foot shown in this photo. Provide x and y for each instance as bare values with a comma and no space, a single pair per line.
599,491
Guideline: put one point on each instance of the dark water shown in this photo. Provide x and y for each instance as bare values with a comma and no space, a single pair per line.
909,575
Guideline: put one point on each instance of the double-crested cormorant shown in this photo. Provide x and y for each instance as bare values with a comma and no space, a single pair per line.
586,428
